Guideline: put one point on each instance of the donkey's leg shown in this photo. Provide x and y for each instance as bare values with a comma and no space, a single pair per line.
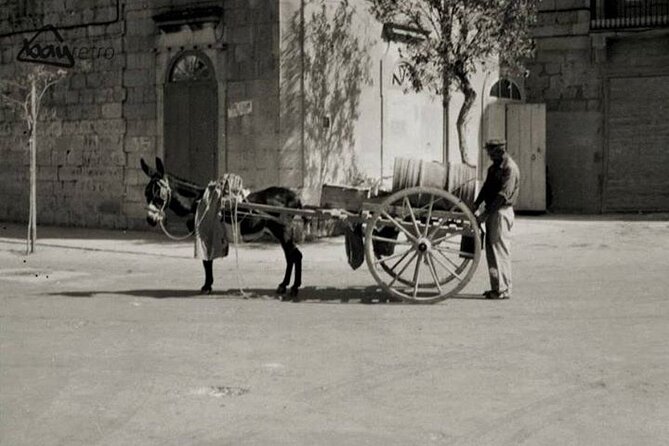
281,289
279,232
208,276
296,254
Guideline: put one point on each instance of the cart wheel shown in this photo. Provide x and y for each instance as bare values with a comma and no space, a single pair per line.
437,248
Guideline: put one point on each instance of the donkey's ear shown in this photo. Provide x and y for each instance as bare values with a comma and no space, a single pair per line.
145,167
160,167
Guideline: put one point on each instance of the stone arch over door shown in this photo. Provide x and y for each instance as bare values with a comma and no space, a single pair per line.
190,117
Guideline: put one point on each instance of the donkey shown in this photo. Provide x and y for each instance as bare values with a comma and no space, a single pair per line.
165,190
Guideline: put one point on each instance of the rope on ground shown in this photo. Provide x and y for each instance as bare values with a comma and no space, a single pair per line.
233,193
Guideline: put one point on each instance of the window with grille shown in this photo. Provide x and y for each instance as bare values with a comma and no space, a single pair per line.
505,89
191,67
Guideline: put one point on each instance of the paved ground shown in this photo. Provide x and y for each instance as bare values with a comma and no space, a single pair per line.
103,342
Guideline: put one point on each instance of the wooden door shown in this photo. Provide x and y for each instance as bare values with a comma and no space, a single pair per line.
526,143
637,157
191,120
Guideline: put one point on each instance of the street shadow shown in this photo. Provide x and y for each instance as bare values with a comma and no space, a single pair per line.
307,294
325,294
613,217
364,295
146,293
312,295
469,297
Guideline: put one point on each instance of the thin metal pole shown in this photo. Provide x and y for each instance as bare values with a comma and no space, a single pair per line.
381,101
33,168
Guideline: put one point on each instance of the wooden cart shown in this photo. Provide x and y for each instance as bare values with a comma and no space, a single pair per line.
422,244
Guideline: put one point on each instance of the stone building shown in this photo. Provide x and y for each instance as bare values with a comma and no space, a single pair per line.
282,92
150,78
602,68
210,87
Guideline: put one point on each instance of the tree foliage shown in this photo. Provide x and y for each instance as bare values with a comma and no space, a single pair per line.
458,35
334,66
16,92
25,92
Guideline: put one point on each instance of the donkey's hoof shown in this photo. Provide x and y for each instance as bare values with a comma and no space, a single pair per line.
206,289
281,289
293,294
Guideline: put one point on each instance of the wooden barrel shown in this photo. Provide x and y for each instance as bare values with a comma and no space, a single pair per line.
457,178
408,172
462,182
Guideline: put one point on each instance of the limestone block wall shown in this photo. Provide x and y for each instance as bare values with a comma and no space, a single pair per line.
107,113
566,77
81,156
251,36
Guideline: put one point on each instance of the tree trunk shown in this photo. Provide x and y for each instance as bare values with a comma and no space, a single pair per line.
32,219
446,29
470,97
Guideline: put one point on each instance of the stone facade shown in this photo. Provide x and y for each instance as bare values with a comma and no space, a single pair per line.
112,109
107,113
571,74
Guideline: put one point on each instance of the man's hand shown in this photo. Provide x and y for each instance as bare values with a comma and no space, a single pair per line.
480,218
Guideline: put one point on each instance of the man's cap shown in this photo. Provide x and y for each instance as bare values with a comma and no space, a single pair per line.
495,143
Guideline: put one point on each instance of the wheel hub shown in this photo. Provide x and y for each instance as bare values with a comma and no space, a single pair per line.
423,245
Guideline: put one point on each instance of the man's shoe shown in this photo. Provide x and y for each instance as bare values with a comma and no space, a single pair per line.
490,294
494,294
504,295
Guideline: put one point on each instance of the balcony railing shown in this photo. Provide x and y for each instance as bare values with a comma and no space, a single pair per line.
622,14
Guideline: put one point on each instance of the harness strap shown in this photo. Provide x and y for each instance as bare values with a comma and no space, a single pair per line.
166,196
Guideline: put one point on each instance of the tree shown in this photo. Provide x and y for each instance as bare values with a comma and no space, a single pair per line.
453,37
25,93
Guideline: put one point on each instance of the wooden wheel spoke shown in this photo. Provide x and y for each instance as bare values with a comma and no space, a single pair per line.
413,217
399,226
404,268
400,260
434,231
416,272
433,271
446,267
440,226
443,249
445,237
378,238
394,256
455,265
429,217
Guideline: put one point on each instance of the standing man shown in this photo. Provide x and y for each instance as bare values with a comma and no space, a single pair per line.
499,193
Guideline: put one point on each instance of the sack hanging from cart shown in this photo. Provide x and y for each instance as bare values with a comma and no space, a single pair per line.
210,238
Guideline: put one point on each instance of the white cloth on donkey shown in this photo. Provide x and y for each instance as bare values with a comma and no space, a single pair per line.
210,237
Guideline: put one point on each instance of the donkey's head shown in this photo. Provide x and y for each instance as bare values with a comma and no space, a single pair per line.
157,192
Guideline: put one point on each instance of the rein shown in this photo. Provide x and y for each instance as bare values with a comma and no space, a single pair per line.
166,195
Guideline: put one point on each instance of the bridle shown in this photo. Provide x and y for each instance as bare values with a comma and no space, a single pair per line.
158,214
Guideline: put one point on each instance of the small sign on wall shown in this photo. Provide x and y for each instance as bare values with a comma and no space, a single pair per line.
401,76
240,109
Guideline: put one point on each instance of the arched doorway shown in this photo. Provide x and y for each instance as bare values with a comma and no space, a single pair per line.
191,118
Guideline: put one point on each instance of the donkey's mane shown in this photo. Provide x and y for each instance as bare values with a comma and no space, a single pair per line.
185,185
